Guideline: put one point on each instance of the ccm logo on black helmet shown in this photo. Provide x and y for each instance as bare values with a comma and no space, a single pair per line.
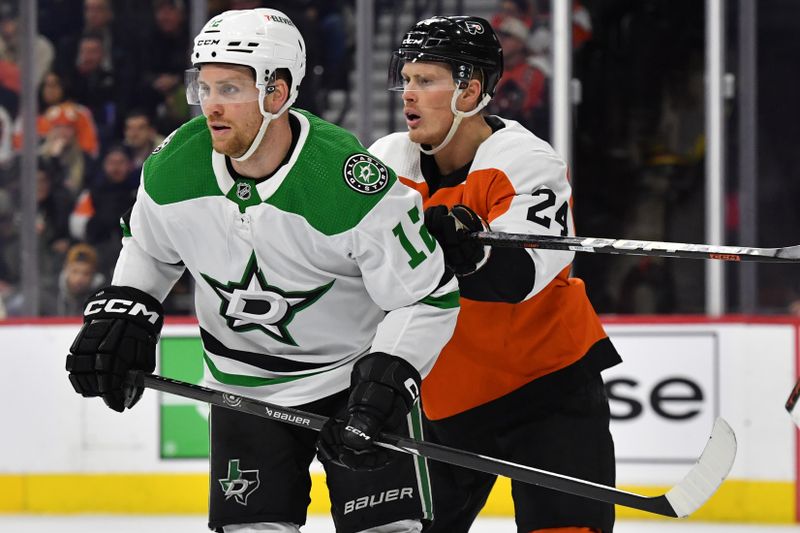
123,307
412,40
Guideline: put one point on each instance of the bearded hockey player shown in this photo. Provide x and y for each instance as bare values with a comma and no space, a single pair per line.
520,379
317,285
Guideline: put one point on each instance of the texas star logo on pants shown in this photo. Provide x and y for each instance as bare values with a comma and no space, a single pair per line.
239,484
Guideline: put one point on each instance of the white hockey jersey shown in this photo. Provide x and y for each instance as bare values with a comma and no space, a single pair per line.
297,276
518,184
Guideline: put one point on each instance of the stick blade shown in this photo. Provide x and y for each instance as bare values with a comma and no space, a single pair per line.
793,406
707,474
789,252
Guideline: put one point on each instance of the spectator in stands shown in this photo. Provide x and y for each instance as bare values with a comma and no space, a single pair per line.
9,87
56,109
54,205
94,86
10,42
54,103
520,9
95,218
61,149
536,16
115,39
522,92
9,69
141,138
581,25
77,280
164,52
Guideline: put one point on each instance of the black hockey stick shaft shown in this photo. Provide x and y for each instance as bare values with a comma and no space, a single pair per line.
789,254
662,505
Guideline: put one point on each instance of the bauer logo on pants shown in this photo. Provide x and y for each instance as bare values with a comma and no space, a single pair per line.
373,500
239,484
365,174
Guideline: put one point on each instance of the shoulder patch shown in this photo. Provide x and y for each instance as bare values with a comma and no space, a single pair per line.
165,142
365,174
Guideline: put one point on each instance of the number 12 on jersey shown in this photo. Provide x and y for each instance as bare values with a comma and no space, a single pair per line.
415,256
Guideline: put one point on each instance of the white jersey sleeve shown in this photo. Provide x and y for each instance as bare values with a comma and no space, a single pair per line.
531,194
147,261
403,271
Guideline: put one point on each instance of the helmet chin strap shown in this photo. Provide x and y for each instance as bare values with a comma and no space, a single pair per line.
458,116
267,118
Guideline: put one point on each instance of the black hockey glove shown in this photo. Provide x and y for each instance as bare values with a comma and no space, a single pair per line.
451,228
383,388
121,326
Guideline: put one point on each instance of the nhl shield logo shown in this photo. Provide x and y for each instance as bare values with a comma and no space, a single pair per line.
473,28
365,174
243,191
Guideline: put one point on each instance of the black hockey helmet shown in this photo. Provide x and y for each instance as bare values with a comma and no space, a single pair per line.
465,43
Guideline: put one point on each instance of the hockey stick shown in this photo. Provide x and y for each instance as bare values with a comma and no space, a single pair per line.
792,404
788,254
680,501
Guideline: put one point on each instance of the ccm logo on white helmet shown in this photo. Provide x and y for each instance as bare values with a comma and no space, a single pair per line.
124,307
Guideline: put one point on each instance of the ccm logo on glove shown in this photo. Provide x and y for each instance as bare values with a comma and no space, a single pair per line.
117,305
357,432
121,327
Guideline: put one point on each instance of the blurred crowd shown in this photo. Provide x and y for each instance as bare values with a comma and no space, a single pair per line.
109,77
523,93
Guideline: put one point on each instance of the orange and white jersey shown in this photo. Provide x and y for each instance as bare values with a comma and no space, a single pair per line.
504,338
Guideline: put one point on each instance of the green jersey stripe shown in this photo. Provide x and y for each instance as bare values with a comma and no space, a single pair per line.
446,301
421,463
247,381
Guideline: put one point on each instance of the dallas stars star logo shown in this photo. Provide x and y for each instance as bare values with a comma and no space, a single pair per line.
252,303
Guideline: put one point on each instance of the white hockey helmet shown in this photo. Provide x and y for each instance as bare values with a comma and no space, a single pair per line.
262,39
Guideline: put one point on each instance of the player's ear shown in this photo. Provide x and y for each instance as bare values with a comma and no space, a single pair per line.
278,96
470,96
